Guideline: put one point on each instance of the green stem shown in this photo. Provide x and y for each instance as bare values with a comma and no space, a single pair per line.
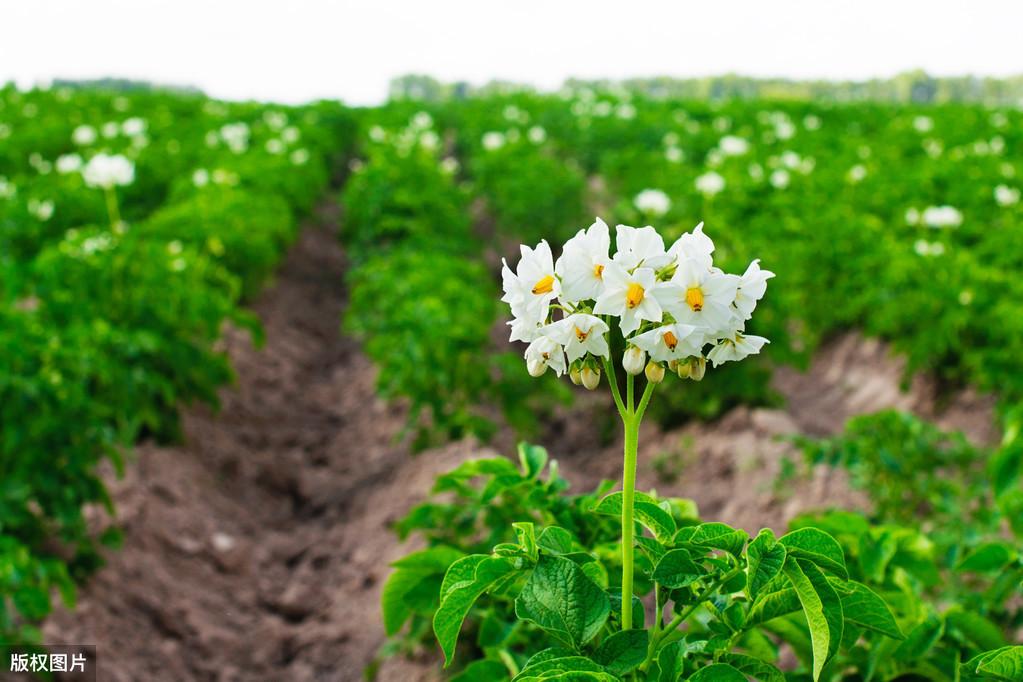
112,211
628,498
609,369
508,661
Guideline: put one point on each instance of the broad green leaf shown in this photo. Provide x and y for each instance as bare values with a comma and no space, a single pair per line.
982,632
646,510
533,459
771,605
920,639
863,607
623,651
765,557
459,592
822,608
526,534
638,612
988,558
676,569
754,667
818,547
556,540
671,661
1003,664
482,671
876,550
719,536
561,599
557,664
717,672
414,585
1006,466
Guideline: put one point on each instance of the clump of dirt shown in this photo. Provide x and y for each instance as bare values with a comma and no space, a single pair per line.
257,549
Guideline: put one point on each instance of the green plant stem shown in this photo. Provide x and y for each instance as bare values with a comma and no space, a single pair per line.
628,498
609,369
112,210
508,661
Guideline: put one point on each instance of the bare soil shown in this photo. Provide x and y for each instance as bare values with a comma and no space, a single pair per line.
256,550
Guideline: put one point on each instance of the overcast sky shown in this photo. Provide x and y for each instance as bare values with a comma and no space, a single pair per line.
303,49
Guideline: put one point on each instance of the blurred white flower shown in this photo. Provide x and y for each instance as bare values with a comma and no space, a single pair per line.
1006,196
625,111
83,135
928,249
133,126
429,140
107,171
923,124
236,135
200,177
377,134
942,216
674,155
7,189
537,135
449,165
732,145
69,163
299,157
912,216
857,173
493,140
780,178
274,146
653,202
110,129
290,135
811,122
710,183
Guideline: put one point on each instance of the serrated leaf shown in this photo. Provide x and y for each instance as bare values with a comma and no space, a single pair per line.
563,600
822,608
753,667
863,607
677,569
818,547
646,511
717,672
765,558
623,651
460,591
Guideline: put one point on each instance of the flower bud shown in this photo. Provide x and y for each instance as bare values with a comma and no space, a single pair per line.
575,376
634,360
590,377
682,369
536,366
654,372
697,368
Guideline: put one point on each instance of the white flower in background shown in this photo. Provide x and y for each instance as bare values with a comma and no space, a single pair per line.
7,189
299,157
630,296
811,122
537,135
42,210
422,120
671,342
200,177
602,109
923,124
290,135
710,183
1007,170
701,297
582,263
784,129
639,246
912,216
790,160
928,249
752,287
83,135
377,134
69,163
429,140
449,165
107,171
530,289
722,123
997,144
274,146
493,140
580,334
544,352
780,178
110,129
236,135
736,346
671,139
275,119
132,127
942,217
715,158
999,119
674,154
652,201
732,145
513,113
625,111
756,172
857,173
1006,196
5,131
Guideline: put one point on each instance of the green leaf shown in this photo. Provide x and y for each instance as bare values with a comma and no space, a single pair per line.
863,607
813,544
671,661
984,634
719,536
920,639
623,651
989,557
1006,466
753,667
557,664
465,581
482,671
765,557
533,459
822,608
561,599
556,540
646,510
676,569
1003,664
771,605
877,548
526,534
717,672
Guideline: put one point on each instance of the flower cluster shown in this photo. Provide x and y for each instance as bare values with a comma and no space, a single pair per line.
670,304
106,171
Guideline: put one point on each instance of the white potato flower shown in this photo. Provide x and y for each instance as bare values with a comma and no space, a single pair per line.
542,353
580,334
942,217
700,297
530,289
629,296
733,145
752,287
710,183
493,140
83,135
1006,196
639,246
652,201
69,163
107,171
671,342
736,346
537,135
582,263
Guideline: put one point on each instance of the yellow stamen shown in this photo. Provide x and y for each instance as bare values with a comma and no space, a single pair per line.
633,295
580,334
694,298
598,271
544,286
670,341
